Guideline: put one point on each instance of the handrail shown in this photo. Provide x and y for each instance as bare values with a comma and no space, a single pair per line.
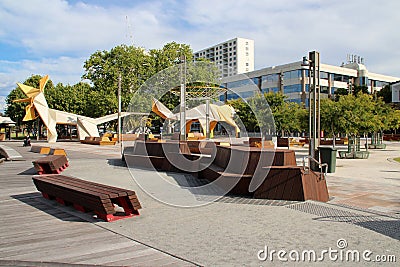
320,165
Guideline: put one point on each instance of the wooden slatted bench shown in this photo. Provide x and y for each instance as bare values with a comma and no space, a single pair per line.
51,164
41,149
57,151
88,196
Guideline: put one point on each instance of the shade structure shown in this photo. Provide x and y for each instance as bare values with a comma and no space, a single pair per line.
38,106
217,114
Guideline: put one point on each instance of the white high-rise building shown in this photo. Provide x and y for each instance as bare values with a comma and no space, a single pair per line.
232,57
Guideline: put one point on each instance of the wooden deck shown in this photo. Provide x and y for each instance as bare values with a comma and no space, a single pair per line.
35,231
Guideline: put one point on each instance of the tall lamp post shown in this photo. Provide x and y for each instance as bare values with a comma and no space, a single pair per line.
182,109
119,108
314,102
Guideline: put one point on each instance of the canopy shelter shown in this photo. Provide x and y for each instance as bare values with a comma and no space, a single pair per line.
216,114
6,123
200,90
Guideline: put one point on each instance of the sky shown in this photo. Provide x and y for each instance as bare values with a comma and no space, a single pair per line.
55,37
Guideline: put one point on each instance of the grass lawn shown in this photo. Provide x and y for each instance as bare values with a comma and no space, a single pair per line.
397,159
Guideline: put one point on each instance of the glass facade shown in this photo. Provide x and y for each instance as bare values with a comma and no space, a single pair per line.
294,88
293,74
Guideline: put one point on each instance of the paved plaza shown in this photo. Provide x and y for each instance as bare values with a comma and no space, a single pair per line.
363,215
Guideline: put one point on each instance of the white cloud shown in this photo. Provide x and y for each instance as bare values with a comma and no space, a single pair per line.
63,69
62,34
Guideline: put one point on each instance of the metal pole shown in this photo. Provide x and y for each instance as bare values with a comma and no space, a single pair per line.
318,91
119,108
310,112
314,103
207,118
183,99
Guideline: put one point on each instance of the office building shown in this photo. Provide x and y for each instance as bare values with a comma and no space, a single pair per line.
292,79
395,92
231,57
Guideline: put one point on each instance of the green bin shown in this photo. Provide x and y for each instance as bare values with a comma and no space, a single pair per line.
328,155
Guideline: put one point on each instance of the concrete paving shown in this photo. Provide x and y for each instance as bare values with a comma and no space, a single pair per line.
363,214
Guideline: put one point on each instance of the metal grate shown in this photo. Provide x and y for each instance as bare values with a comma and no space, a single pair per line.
383,225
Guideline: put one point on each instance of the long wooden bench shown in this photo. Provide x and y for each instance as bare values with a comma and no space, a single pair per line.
51,164
102,141
45,150
88,196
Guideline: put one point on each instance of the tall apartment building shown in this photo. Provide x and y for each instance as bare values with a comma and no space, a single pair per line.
292,79
231,57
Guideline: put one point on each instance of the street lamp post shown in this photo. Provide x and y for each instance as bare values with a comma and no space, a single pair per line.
183,98
119,108
314,103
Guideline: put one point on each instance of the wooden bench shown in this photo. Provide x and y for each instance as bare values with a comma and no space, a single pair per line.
50,164
102,141
88,196
45,150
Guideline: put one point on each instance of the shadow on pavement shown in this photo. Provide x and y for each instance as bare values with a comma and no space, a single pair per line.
50,207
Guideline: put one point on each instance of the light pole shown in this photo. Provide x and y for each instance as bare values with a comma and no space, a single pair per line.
183,98
314,103
119,108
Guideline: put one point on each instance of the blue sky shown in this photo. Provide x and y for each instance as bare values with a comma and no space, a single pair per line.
55,37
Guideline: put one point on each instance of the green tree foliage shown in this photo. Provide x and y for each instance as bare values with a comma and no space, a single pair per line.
330,114
357,115
244,114
169,55
287,116
134,65
386,94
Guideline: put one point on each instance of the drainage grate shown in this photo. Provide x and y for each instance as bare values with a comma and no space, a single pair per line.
374,222
379,213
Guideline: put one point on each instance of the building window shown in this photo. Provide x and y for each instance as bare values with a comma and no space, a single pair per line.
295,88
294,74
247,64
324,75
247,43
247,53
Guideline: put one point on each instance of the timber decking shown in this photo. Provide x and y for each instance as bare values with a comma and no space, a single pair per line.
37,232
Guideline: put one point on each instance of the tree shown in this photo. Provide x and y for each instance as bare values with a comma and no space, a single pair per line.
330,114
386,94
286,116
360,88
340,92
169,55
135,66
244,114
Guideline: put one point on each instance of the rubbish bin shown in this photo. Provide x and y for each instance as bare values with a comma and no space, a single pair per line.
328,155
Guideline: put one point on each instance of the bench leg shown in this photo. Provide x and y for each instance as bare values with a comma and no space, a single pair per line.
47,196
122,201
79,208
106,217
61,201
